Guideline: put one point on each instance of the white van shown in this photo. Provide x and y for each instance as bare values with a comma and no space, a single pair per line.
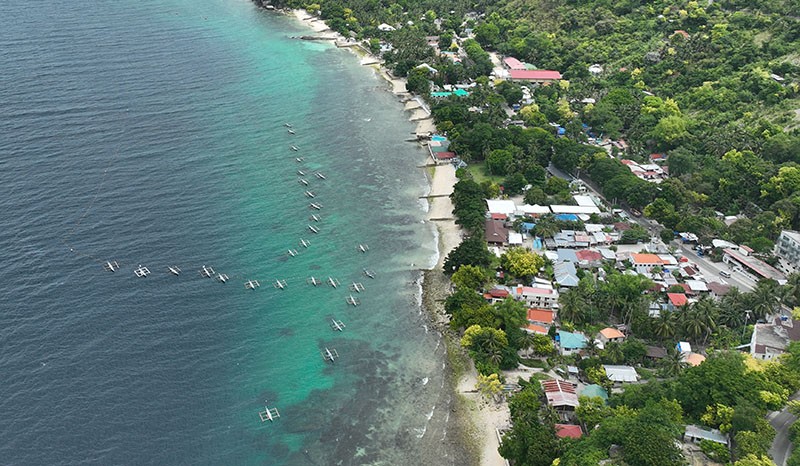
725,273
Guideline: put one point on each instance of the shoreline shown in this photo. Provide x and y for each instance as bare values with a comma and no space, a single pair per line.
477,419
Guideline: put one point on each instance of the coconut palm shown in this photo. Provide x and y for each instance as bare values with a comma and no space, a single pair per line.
764,299
664,325
572,307
672,364
526,342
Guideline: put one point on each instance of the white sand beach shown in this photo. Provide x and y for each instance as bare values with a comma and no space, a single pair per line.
314,23
488,416
441,210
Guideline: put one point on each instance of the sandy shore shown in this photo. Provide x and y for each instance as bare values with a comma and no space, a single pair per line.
314,23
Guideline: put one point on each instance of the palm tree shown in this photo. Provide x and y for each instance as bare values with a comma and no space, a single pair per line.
707,312
764,299
526,343
572,308
672,364
613,353
791,291
664,325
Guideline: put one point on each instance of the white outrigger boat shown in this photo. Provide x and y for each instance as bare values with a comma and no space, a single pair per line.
329,355
363,247
206,271
353,301
369,273
269,414
294,148
293,252
357,287
305,243
313,229
337,325
141,271
174,270
320,175
280,284
333,282
313,281
315,218
310,194
222,278
252,284
315,206
111,266
303,181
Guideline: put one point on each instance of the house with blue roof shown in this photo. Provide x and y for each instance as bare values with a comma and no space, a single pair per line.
570,342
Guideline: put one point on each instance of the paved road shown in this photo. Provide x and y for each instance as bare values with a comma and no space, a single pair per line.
781,445
708,268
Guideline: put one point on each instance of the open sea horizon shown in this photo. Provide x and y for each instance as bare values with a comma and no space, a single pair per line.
153,134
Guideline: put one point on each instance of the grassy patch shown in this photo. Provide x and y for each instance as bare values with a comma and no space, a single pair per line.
479,173
536,363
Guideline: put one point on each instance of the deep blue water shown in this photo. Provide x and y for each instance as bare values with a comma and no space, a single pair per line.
152,133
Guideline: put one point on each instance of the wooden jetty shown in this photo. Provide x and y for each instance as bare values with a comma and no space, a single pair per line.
337,325
269,414
330,355
141,271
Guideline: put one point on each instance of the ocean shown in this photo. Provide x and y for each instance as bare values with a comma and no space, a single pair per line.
153,134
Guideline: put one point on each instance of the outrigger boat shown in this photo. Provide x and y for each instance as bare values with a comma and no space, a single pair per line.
337,325
320,175
315,206
287,125
357,287
280,284
269,414
222,278
252,284
111,266
299,159
333,282
294,148
329,355
369,273
290,131
301,173
313,229
315,218
305,243
363,247
313,281
352,300
310,194
302,181
142,271
292,252
174,270
206,271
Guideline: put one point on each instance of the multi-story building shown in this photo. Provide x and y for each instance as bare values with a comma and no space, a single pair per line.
787,250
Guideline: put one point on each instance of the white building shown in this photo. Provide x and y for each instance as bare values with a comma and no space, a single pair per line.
787,250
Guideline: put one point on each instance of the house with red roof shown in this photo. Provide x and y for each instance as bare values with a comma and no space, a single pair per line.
541,316
534,76
644,263
568,431
561,395
676,301
537,329
495,295
610,334
589,258
513,64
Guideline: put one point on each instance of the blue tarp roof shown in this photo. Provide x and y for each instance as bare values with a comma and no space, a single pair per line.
567,217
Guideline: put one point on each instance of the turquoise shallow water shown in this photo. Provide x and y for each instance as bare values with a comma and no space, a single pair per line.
152,133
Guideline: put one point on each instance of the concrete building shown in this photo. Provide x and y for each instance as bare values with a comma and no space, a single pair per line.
536,297
771,339
787,250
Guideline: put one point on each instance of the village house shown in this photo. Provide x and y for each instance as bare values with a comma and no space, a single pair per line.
543,317
568,431
769,340
644,263
676,301
609,334
496,232
534,76
570,343
695,434
536,297
495,295
565,274
621,374
561,395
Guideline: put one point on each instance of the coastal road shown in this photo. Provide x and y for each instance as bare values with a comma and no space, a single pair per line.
781,445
